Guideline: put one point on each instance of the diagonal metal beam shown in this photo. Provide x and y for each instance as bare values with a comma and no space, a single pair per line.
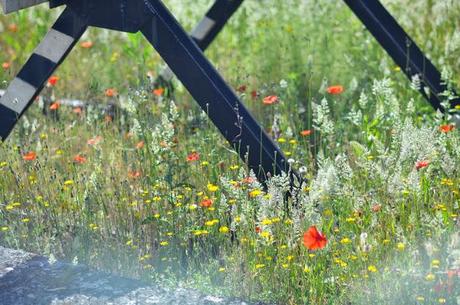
404,51
208,28
49,54
211,92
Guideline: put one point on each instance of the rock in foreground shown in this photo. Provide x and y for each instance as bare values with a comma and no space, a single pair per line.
28,279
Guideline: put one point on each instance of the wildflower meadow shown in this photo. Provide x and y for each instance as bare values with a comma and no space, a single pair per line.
138,182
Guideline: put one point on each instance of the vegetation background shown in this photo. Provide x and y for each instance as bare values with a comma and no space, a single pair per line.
157,193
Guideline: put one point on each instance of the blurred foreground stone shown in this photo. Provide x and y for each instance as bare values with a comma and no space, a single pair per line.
30,279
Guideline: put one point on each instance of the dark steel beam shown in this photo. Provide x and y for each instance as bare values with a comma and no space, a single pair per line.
404,51
211,92
206,31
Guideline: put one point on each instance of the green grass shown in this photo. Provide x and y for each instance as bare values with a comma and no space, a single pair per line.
392,229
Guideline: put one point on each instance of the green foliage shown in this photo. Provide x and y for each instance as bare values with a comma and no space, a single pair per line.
158,194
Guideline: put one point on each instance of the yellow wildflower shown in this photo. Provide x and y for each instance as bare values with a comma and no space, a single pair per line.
372,268
224,229
212,187
401,246
266,222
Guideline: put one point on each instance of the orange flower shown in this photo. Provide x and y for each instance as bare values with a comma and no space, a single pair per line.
86,44
206,203
158,91
421,164
30,156
55,106
446,128
79,159
305,132
52,81
77,110
334,90
140,145
110,92
258,229
12,27
248,180
94,141
6,65
313,239
271,99
193,156
134,174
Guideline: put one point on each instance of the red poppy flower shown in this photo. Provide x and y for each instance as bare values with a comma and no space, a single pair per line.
140,145
6,65
271,99
305,132
421,164
86,44
12,27
30,156
334,90
52,81
134,174
77,110
110,92
254,94
159,91
242,88
313,239
94,141
206,203
258,230
79,159
55,106
193,156
446,128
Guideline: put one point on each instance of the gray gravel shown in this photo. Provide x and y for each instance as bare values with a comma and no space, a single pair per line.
27,279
